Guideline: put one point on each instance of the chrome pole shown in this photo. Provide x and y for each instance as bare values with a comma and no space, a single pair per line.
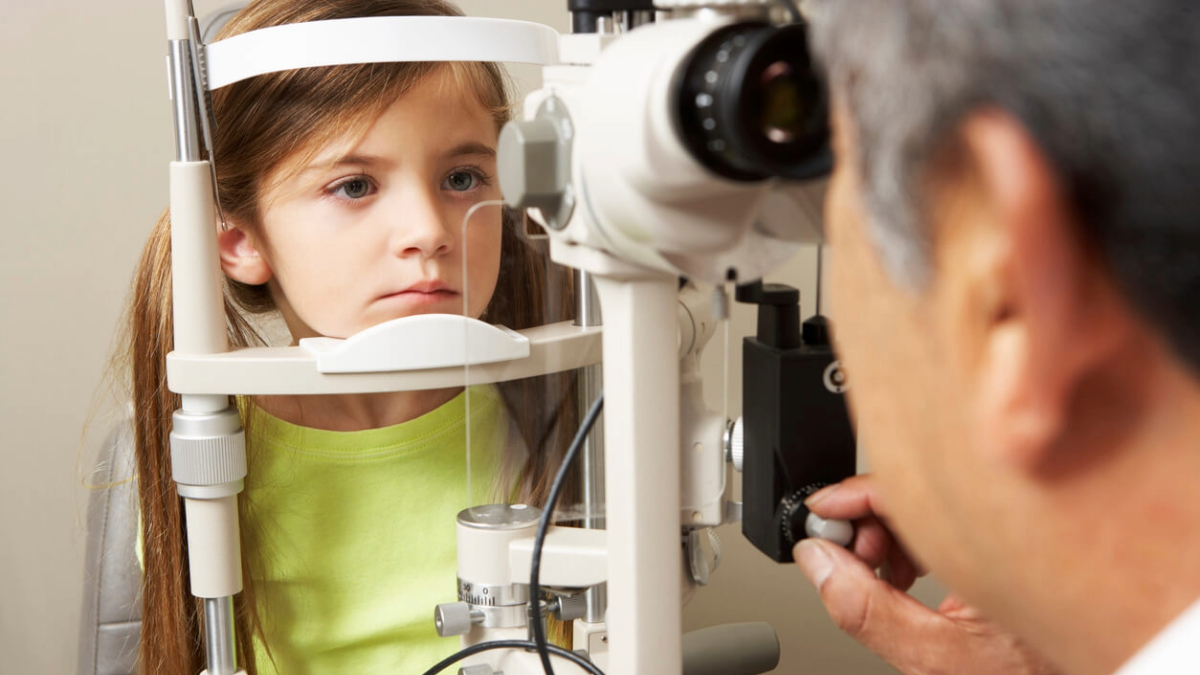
591,382
221,639
187,124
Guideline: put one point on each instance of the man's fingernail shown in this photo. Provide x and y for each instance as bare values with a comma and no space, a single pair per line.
820,495
813,561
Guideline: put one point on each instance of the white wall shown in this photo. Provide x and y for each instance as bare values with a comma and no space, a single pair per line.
85,131
85,135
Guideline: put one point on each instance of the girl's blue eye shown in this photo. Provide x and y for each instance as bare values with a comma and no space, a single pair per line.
461,181
355,188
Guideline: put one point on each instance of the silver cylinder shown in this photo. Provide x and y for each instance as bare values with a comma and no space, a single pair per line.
641,17
587,303
591,382
628,20
183,98
219,636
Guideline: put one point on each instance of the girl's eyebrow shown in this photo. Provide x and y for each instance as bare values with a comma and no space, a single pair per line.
348,160
471,148
461,150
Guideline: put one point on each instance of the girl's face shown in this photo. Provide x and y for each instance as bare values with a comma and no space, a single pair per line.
372,229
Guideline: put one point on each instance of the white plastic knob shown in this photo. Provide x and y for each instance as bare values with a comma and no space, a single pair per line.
840,532
737,444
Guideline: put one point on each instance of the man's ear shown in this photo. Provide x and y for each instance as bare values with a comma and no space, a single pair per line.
241,259
1037,313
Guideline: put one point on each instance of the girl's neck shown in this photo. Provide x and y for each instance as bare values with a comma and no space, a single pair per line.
355,412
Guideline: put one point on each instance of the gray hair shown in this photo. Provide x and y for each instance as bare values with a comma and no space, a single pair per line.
1110,91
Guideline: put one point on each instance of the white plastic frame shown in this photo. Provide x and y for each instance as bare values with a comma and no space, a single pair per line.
204,366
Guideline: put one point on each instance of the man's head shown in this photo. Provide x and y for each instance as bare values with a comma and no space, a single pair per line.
1015,233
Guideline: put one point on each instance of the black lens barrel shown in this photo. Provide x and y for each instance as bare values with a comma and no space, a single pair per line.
750,105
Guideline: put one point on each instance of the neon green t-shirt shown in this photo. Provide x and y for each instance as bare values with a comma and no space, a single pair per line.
355,532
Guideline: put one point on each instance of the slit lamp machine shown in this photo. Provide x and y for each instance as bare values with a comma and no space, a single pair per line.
679,140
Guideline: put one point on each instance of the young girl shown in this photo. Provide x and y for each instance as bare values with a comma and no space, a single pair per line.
344,190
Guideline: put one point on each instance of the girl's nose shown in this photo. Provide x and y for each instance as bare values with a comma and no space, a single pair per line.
420,227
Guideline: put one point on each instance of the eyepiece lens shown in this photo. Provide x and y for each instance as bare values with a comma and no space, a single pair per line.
783,105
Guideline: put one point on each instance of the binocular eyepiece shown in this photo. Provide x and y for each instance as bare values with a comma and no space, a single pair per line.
750,105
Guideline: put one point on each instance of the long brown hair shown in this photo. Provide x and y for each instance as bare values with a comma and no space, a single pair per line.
262,122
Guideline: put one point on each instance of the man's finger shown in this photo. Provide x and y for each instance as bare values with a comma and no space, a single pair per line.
885,620
902,572
852,499
873,542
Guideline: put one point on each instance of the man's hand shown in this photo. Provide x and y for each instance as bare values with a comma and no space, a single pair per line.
878,612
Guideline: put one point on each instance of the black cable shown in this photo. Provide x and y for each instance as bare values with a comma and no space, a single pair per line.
539,631
792,10
511,644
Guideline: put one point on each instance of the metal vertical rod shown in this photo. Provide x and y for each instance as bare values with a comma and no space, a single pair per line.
187,124
219,636
623,21
628,20
587,314
199,328
587,303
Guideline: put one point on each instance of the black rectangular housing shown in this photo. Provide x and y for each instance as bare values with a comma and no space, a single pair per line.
797,435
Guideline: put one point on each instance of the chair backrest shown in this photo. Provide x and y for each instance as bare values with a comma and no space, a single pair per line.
111,622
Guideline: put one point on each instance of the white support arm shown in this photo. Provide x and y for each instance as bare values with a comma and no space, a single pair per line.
571,556
294,370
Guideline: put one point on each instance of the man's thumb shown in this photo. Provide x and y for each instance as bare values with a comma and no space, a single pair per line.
868,609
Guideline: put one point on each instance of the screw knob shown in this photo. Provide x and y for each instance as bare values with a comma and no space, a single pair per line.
454,618
737,444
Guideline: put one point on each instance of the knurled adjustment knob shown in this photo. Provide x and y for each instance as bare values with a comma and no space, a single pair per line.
798,522
792,522
571,607
737,444
455,618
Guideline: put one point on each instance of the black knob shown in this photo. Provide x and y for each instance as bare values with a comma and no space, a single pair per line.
816,330
778,312
794,514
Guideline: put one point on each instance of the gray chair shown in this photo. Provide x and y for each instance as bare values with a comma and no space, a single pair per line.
111,622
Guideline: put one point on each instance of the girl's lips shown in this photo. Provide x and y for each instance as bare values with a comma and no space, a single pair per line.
428,286
421,298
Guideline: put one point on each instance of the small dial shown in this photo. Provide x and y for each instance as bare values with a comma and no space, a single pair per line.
793,513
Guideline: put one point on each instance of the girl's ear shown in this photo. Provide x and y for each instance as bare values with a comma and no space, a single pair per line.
240,256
